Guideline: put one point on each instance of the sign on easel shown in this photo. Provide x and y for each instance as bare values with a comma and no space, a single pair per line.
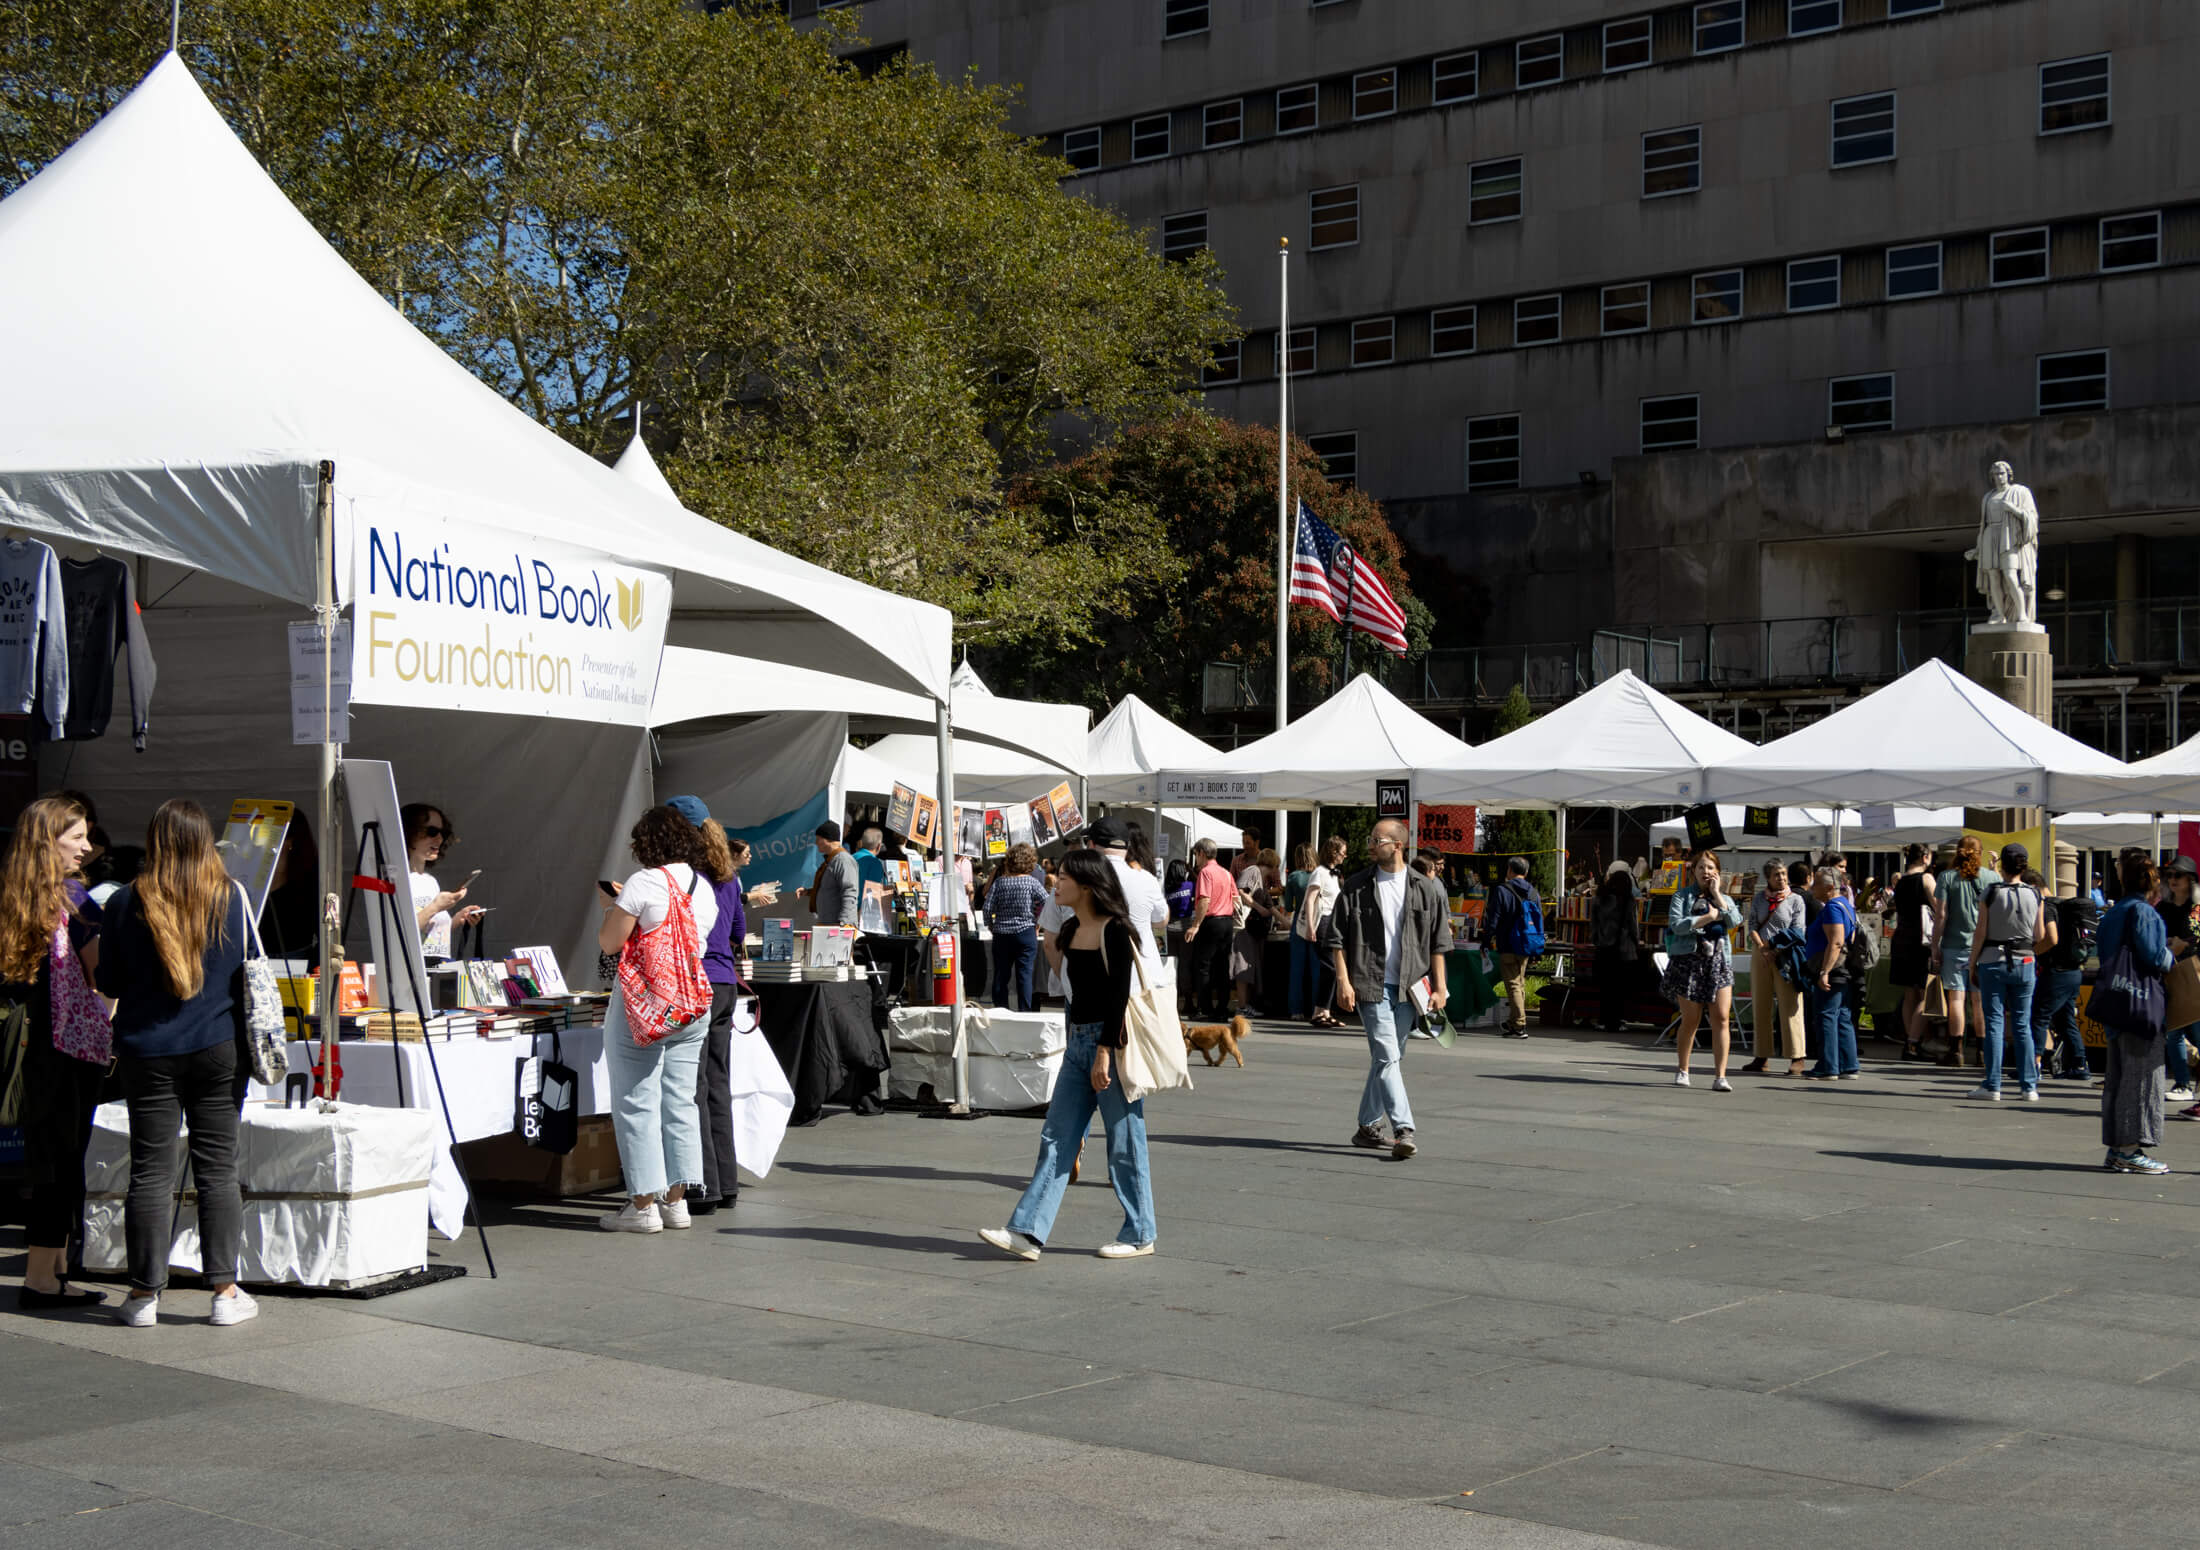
252,844
370,795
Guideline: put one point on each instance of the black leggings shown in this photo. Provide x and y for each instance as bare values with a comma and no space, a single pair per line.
59,1094
714,1098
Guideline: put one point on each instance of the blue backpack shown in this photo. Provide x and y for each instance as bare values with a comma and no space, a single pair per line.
1523,928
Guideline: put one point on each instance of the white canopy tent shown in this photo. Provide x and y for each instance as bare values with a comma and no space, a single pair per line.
2170,779
1132,744
1331,756
1812,828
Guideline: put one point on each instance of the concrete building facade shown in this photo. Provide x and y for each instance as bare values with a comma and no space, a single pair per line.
1685,334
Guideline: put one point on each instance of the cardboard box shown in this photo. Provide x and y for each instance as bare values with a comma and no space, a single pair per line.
506,1165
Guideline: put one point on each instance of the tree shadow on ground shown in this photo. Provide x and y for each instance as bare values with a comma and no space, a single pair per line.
909,1243
1968,1164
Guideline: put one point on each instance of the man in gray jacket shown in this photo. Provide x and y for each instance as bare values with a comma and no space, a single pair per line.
1391,928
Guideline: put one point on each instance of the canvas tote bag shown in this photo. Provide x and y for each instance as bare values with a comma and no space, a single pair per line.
1153,1040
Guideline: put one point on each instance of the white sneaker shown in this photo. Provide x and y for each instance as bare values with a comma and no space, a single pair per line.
627,1219
1010,1242
1720,1084
2030,1095
238,1306
1985,1094
1680,1079
2179,1095
138,1312
674,1213
1125,1250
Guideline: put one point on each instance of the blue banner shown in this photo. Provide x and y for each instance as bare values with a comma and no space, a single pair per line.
784,849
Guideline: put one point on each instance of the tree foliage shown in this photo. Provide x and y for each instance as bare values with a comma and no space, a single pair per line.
1523,831
1211,484
854,304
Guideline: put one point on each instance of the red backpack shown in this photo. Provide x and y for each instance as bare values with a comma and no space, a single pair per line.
661,980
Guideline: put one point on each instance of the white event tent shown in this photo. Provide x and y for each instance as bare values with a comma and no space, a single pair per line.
1812,828
199,383
2166,781
1331,756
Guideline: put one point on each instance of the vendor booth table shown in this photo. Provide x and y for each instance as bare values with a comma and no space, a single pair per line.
1015,1057
826,1035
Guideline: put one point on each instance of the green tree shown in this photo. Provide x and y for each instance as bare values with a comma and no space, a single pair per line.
1211,484
1525,832
855,305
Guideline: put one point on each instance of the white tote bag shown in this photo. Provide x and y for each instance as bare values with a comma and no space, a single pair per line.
762,1101
1152,1060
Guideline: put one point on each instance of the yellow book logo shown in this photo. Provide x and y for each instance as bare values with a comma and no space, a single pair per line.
630,604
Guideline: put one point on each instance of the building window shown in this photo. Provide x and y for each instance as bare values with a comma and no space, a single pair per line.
1493,452
1536,320
2019,257
2074,95
2131,241
1718,26
1627,308
1336,216
1150,137
1374,94
1458,77
1626,44
1451,331
1913,271
1223,123
1808,16
1814,284
1672,161
1539,62
1912,7
2074,381
1183,235
1863,130
1861,403
1182,18
1302,352
1227,365
1340,455
1718,296
1081,149
1374,341
1298,109
1494,191
1669,424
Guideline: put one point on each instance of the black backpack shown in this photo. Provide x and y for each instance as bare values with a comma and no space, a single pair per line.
2076,921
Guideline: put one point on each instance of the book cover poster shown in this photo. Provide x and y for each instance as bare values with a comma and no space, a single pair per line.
901,812
926,833
1019,823
1067,819
1043,831
996,832
970,831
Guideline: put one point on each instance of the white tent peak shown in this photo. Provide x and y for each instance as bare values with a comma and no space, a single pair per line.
636,463
965,679
1334,754
1135,738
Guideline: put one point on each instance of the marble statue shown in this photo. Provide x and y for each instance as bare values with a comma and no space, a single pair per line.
2008,549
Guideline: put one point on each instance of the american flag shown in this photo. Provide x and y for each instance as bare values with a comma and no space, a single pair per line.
1325,572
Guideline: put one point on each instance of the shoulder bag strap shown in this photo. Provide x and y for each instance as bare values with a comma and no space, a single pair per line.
251,925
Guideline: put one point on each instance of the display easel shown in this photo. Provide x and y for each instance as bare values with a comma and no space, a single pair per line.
373,877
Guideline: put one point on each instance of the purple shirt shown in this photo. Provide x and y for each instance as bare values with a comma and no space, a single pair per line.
722,947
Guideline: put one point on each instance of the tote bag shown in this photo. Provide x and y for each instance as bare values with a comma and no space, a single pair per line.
762,1099
264,1035
549,1112
1153,1040
661,981
80,1026
2127,995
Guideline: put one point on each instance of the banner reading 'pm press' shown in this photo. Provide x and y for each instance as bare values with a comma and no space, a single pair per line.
450,617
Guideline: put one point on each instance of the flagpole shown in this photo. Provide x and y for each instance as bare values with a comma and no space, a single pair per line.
1284,534
1351,579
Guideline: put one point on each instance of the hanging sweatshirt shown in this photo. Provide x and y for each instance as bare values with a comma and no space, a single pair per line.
34,653
100,600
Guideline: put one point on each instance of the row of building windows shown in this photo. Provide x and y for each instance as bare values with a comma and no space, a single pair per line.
1707,28
1907,271
2068,383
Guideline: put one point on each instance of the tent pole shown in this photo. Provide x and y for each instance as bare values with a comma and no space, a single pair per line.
1284,529
947,806
2155,855
324,614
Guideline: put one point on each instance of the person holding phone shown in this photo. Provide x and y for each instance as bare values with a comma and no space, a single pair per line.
429,836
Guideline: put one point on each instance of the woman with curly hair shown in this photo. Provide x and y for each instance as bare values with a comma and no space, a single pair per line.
653,1111
42,934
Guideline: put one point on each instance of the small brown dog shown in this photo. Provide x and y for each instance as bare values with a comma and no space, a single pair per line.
1215,1041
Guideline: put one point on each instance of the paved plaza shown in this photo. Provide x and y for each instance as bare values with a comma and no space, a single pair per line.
1595,1309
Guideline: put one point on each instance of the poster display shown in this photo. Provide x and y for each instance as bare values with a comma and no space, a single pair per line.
1067,819
901,811
1043,831
251,844
1019,824
996,832
925,832
970,831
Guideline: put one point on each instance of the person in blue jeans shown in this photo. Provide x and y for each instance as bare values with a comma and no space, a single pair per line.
1012,908
1831,1006
2013,929
1097,958
2055,996
1311,988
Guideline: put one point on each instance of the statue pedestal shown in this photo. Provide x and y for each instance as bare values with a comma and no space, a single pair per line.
2014,662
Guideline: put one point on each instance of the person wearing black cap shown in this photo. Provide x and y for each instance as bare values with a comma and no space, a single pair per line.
2012,930
837,893
1149,907
2177,907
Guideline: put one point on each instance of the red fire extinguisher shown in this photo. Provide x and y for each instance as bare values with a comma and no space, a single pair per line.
943,966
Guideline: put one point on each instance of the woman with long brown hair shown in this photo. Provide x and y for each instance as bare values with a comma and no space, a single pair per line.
172,961
59,1087
1957,894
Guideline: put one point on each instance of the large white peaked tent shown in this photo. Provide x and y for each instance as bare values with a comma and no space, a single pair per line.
185,351
1931,738
2167,782
1622,744
1132,744
1334,754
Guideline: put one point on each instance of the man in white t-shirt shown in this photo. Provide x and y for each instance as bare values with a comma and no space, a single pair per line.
1149,906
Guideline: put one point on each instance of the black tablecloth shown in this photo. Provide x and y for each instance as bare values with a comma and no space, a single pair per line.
830,1040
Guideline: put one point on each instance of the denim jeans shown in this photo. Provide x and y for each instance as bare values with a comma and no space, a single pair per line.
1832,1015
1069,1115
1310,976
653,1111
204,1090
2055,1010
1387,1022
2005,996
1015,954
2173,1054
